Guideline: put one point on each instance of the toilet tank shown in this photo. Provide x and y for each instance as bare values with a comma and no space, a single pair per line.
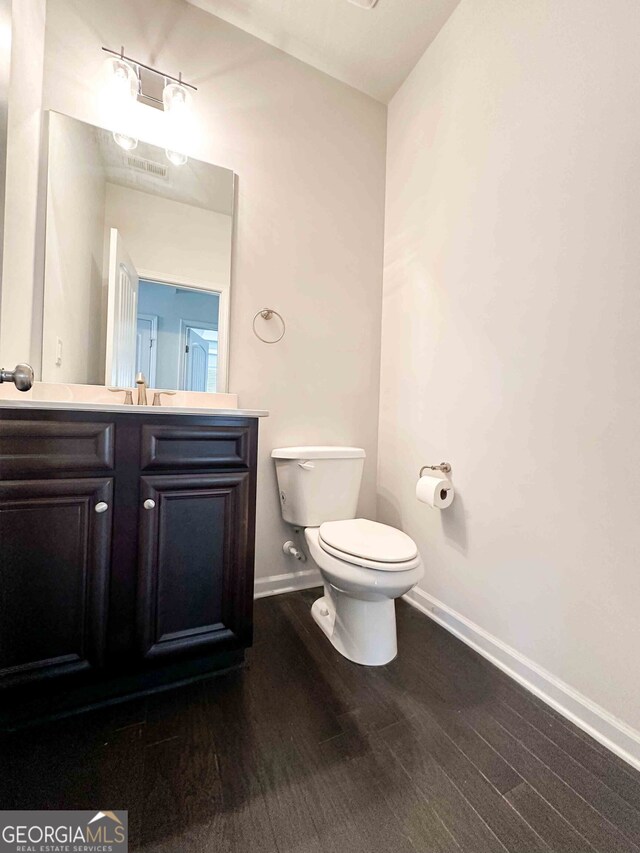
318,484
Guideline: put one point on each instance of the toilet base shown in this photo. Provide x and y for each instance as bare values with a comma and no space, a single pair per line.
362,631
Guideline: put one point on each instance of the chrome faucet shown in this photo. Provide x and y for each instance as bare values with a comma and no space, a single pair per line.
141,382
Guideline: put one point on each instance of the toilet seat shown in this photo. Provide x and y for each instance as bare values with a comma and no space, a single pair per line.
370,544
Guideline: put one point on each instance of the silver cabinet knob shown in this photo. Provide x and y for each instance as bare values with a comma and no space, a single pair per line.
101,507
149,504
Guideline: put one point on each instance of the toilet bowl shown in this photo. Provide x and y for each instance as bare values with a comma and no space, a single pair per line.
364,565
357,611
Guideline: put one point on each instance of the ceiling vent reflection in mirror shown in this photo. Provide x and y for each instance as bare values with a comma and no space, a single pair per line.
150,167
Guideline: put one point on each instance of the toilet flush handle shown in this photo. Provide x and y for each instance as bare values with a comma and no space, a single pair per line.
307,465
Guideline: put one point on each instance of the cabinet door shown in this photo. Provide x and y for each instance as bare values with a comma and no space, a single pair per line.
196,563
54,561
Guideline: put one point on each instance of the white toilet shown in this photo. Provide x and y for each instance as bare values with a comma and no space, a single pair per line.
364,565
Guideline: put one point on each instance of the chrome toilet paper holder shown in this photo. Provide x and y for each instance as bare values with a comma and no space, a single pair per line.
444,467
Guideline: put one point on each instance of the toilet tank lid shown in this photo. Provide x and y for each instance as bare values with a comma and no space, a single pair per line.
318,452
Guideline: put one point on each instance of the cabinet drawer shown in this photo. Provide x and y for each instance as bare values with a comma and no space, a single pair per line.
39,447
187,448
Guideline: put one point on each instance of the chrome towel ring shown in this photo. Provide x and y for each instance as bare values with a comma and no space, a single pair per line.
268,314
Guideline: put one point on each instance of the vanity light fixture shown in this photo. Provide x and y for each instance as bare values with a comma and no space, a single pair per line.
177,106
122,92
131,81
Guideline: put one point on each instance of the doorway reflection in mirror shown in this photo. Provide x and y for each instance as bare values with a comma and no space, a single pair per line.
177,336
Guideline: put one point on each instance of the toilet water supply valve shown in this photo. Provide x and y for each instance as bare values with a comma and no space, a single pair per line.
291,550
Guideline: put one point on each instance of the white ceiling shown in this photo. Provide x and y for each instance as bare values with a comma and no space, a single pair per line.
371,49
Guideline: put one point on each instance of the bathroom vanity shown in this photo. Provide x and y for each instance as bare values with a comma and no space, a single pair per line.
126,531
127,548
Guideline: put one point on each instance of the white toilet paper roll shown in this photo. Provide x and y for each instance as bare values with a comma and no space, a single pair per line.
435,491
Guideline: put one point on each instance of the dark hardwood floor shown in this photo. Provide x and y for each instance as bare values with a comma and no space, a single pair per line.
304,751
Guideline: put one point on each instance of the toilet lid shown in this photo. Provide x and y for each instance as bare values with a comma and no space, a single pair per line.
368,540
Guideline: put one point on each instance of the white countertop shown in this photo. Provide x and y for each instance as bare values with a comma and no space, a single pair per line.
121,408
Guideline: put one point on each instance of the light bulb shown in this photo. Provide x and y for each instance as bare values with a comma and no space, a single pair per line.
176,157
124,80
176,100
122,95
177,107
124,141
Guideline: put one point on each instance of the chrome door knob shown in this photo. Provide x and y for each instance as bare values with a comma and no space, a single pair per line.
149,504
101,507
21,376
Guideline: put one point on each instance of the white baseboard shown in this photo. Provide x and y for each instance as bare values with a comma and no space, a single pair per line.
616,735
276,584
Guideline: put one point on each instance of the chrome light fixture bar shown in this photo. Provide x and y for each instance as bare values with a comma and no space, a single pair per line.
142,65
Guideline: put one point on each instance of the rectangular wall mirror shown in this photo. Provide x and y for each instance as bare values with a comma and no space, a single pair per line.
137,264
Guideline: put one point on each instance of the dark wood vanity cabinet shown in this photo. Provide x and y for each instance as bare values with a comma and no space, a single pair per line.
126,552
191,595
54,576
